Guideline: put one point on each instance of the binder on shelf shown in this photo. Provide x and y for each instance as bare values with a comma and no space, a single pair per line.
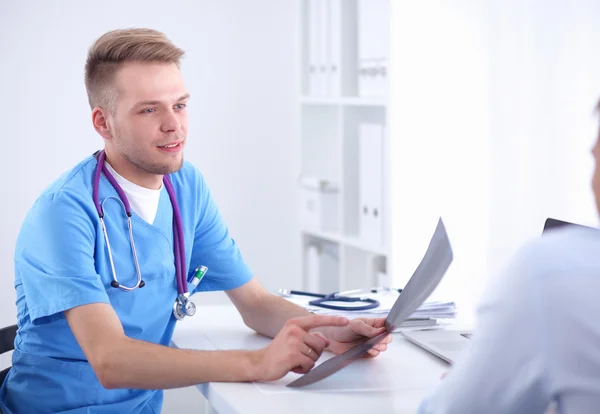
335,48
324,46
373,47
321,266
313,42
371,183
383,279
319,204
312,268
324,54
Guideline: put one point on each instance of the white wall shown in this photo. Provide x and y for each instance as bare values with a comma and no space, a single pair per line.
491,120
241,71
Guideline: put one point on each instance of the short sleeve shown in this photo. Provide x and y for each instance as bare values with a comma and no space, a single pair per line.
54,258
215,248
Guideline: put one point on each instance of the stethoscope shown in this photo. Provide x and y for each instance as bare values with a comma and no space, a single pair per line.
183,306
322,299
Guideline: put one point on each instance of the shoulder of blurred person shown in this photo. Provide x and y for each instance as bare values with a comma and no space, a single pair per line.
557,253
559,273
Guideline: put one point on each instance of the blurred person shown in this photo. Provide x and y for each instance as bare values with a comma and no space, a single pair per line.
535,344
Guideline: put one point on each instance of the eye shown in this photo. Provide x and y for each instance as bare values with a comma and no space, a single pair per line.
180,106
148,110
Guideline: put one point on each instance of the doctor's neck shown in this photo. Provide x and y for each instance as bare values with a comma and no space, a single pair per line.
132,172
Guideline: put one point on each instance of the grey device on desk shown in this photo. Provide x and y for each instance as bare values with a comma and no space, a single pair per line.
448,344
422,283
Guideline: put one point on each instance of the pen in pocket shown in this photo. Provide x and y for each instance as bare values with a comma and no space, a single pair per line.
198,275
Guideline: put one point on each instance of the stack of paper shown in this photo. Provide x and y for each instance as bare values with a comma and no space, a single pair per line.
427,315
438,310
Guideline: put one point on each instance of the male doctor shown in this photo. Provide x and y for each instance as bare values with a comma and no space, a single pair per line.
86,343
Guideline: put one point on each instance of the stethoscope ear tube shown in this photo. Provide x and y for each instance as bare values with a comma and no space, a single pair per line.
116,284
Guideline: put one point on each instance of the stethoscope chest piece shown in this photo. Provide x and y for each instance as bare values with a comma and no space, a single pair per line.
183,307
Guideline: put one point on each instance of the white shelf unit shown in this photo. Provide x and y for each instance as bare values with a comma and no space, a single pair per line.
336,255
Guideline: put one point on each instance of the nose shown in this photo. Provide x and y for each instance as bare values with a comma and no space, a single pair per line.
170,122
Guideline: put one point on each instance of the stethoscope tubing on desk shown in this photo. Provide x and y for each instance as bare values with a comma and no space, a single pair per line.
322,300
286,292
302,293
368,303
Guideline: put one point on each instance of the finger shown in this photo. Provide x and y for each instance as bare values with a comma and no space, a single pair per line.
379,323
380,347
305,364
372,353
386,340
309,322
374,322
361,328
320,335
312,346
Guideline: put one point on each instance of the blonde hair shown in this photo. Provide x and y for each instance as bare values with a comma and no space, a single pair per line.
116,47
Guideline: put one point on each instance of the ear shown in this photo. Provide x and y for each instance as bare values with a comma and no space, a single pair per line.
100,121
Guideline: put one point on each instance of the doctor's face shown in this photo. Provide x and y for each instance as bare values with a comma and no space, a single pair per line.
149,119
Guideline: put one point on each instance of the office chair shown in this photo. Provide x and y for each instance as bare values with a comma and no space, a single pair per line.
7,343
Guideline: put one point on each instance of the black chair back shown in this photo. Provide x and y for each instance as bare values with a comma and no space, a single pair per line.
7,343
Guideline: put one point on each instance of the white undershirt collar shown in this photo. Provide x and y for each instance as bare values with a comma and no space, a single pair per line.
143,201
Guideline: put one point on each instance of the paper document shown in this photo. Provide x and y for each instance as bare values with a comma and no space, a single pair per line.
422,283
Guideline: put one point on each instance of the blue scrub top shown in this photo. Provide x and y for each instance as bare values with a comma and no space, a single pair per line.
61,262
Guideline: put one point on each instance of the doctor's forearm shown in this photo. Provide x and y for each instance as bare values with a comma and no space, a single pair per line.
271,315
143,365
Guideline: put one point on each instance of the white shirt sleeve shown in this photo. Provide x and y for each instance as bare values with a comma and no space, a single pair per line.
504,369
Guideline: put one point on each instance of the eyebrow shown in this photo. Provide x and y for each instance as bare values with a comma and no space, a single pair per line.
181,98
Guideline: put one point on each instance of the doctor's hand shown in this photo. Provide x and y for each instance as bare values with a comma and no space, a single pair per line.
342,338
295,348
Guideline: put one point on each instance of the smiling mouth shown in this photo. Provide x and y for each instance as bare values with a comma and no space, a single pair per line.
172,145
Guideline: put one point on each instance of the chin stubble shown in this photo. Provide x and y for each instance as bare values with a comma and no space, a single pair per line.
155,168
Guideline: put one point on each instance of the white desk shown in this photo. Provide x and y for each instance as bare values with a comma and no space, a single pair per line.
394,382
